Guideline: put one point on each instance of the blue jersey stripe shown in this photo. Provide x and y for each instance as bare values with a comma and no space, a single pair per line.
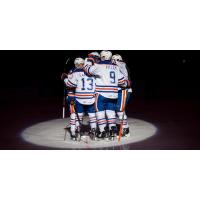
72,83
102,119
121,79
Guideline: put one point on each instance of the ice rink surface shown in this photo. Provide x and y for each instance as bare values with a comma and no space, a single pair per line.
51,134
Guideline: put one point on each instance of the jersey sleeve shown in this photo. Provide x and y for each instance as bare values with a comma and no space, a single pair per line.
125,72
91,70
72,81
65,81
123,82
123,69
89,61
121,79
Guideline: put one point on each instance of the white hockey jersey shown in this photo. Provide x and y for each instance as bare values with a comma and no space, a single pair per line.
123,69
84,86
89,62
69,93
108,78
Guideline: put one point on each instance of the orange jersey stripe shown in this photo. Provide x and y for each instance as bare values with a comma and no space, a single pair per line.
107,89
101,120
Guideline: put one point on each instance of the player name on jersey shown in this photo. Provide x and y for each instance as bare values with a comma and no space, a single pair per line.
108,78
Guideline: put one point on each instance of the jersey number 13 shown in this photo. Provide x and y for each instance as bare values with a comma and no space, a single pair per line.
87,84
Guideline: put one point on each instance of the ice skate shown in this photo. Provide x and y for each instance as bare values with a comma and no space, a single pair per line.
113,133
92,134
126,132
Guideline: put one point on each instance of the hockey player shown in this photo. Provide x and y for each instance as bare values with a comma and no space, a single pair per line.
123,94
93,58
70,97
108,78
84,95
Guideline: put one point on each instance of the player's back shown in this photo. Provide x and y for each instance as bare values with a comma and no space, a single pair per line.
85,87
107,79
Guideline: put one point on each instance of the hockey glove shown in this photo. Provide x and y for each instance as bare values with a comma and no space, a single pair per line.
64,76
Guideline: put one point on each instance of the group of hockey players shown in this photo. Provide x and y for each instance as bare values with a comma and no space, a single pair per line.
100,87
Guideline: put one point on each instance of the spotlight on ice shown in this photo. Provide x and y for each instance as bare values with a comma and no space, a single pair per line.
51,134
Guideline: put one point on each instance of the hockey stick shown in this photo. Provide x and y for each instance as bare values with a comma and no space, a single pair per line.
64,106
64,95
122,121
65,135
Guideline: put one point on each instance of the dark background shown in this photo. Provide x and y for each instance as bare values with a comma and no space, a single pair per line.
165,84
155,74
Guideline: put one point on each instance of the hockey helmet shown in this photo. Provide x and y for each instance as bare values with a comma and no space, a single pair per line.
116,57
79,62
106,55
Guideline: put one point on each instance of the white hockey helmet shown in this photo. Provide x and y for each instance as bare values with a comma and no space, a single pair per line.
79,62
116,57
94,54
106,55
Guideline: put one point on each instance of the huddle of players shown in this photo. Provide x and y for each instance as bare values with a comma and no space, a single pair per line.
100,87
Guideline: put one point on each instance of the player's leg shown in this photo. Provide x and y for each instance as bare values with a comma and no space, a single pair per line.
111,116
100,115
72,120
72,117
79,116
92,120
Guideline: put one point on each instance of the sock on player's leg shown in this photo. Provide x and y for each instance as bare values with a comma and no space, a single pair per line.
101,120
111,115
78,123
93,120
73,123
125,121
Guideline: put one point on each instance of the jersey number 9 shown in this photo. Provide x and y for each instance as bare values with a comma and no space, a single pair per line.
112,77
